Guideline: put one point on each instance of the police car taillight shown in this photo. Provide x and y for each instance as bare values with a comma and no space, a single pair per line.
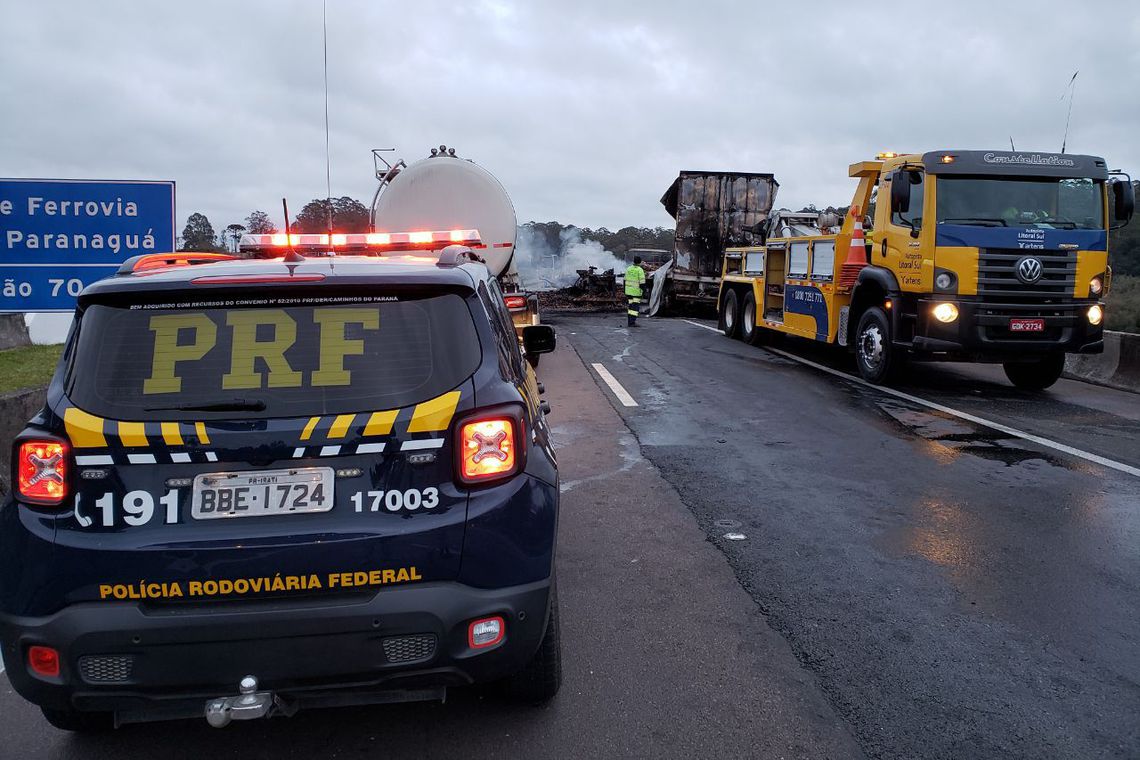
358,241
488,448
43,469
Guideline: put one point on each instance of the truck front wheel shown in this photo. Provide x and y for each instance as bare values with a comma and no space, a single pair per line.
875,357
1037,375
730,314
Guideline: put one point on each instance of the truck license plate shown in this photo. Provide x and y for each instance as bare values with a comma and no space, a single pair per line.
1027,325
262,492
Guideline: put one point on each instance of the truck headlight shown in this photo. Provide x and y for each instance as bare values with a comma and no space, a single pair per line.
944,281
946,312
1096,285
1096,314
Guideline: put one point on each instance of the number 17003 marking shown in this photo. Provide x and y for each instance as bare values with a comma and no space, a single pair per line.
395,500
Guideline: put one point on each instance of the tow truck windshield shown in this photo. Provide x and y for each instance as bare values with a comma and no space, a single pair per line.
272,361
987,202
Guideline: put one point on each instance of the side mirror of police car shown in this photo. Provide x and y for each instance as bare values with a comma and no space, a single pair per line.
538,339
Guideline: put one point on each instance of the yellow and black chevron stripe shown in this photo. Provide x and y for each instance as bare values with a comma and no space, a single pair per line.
432,416
101,441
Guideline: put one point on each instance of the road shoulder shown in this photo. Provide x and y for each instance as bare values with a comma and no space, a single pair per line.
656,625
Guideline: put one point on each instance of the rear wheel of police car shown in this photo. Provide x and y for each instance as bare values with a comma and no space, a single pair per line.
1035,375
730,314
79,722
539,681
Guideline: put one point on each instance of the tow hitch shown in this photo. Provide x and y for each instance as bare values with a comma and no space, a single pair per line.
250,704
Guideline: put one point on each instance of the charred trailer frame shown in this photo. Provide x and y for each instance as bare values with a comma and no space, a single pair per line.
714,211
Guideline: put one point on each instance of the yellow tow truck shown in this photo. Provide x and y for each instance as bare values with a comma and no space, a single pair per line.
986,256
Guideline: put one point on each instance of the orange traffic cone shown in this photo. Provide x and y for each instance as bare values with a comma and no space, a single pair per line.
856,253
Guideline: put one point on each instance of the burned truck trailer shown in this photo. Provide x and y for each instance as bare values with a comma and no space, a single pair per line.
714,211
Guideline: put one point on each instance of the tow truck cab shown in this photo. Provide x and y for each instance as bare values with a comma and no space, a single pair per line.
993,256
333,476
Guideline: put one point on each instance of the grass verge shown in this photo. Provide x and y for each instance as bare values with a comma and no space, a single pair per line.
27,367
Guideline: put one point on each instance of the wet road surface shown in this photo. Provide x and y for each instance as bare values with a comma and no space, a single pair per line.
664,654
958,591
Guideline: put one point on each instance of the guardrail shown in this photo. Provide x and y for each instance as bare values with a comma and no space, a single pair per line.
1117,367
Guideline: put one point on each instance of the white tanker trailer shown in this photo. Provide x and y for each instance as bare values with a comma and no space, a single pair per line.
444,192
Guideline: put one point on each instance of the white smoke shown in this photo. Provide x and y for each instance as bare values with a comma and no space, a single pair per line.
543,268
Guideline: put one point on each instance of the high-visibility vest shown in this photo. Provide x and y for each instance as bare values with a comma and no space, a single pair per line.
634,278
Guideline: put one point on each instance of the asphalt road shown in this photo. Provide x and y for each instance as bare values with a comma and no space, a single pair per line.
665,654
958,588
902,580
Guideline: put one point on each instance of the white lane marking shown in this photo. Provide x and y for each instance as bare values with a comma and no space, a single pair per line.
429,443
330,451
84,461
141,458
1046,442
621,393
370,448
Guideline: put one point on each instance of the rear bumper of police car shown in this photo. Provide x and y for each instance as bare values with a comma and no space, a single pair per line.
402,644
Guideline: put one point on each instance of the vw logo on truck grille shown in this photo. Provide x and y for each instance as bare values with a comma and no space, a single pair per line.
1029,270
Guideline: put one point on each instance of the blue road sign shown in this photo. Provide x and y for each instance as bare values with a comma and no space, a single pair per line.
58,236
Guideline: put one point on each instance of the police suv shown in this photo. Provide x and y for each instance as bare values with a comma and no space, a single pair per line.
266,484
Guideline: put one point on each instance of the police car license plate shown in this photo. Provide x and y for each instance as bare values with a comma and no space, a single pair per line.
1027,325
262,492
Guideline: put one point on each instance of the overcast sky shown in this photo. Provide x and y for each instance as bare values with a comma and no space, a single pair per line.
584,109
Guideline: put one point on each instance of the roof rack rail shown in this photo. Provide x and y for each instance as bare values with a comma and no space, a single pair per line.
455,255
148,261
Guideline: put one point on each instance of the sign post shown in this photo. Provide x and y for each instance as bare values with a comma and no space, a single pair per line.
58,236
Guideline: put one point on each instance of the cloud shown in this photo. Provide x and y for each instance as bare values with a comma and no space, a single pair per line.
585,112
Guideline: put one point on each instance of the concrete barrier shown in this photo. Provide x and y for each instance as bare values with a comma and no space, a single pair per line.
16,408
13,331
1117,367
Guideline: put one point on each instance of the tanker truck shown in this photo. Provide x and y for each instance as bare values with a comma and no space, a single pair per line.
444,191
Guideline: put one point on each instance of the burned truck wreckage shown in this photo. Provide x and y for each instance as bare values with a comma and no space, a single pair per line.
713,211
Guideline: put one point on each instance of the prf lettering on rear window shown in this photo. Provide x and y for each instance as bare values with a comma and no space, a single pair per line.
181,338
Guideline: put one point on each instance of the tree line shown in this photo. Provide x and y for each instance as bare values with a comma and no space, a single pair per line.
617,243
347,215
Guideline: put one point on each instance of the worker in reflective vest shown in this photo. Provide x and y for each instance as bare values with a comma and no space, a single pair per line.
634,279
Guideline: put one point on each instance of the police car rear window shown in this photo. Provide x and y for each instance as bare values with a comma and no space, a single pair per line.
274,360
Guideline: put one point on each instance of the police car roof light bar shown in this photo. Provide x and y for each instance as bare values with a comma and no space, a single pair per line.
358,241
